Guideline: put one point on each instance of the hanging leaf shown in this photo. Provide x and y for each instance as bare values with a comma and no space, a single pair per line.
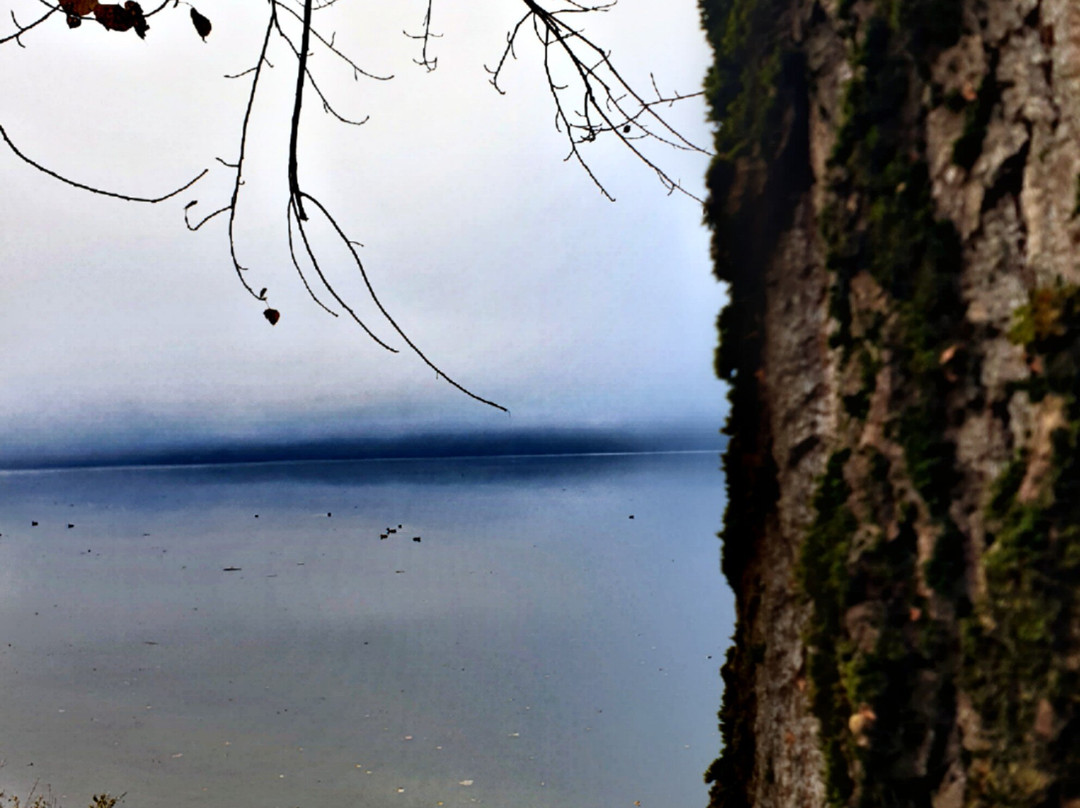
262,293
122,18
202,25
273,315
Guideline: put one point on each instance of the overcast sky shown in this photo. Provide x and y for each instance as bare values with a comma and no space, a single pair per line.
499,259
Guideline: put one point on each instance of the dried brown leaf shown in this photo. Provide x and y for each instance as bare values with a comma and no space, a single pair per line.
202,25
122,18
80,8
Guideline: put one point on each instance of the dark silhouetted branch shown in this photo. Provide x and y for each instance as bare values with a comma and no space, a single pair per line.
426,61
591,99
607,104
375,299
101,191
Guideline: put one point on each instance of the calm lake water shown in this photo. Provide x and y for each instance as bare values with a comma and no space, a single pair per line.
551,641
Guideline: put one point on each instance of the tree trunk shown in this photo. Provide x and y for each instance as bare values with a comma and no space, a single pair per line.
896,206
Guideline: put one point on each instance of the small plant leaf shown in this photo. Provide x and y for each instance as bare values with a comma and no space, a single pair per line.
202,25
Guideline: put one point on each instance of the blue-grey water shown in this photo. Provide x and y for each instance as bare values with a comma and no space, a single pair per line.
551,641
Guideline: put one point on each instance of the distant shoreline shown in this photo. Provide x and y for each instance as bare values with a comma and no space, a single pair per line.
538,443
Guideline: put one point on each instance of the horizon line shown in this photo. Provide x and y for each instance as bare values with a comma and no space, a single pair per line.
336,460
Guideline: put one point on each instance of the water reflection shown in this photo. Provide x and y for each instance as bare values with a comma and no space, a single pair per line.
538,646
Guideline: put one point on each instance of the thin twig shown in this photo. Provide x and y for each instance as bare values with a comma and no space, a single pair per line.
609,105
425,61
91,188
327,106
22,29
239,181
375,299
329,44
296,263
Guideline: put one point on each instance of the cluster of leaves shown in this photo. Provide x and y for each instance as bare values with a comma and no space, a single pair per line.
126,17
112,16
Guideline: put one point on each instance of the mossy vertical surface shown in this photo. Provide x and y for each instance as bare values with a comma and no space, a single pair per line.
922,631
756,90
1020,645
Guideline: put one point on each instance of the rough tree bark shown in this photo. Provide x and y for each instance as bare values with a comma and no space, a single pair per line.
896,206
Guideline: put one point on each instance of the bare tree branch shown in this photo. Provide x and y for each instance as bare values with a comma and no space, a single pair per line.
371,292
101,191
296,263
239,180
608,104
22,29
298,105
426,61
327,106
329,44
596,102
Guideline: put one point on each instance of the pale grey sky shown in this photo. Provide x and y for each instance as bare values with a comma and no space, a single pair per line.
501,261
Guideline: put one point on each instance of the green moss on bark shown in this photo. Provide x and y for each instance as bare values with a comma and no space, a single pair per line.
1021,668
824,576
